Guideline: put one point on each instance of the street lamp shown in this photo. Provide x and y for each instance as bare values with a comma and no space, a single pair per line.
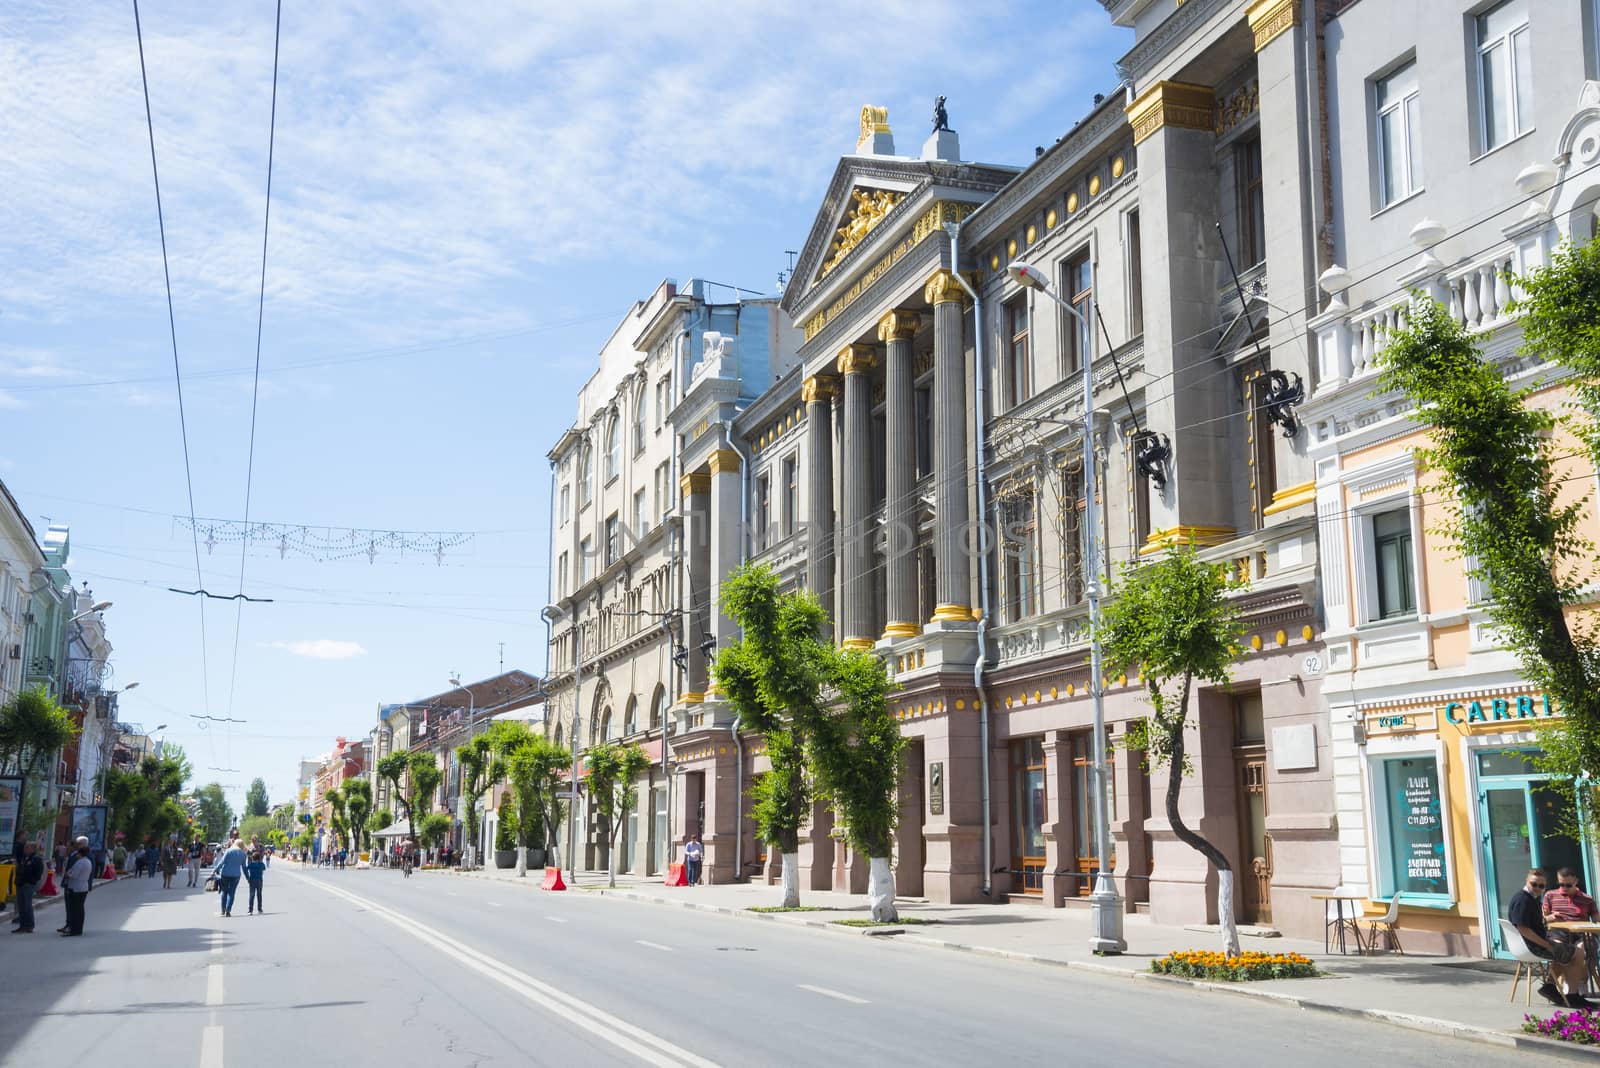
1105,908
455,680
98,606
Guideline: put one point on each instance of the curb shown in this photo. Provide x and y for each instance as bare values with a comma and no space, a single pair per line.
1408,1021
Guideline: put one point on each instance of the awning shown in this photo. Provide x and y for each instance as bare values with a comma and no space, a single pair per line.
394,830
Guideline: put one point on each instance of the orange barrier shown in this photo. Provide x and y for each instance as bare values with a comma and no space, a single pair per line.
110,873
49,887
552,880
675,875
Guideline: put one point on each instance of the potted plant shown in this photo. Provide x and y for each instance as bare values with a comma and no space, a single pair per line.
536,853
505,839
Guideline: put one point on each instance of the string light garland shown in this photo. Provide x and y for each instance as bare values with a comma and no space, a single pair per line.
325,544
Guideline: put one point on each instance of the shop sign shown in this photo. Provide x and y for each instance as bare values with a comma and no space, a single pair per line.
1396,722
1416,826
1500,709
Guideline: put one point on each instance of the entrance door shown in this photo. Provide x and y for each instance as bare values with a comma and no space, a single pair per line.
1028,815
1520,819
1083,819
1250,782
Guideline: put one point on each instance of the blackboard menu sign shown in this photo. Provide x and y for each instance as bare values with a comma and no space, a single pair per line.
1416,825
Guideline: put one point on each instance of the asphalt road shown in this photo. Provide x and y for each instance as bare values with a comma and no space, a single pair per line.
365,967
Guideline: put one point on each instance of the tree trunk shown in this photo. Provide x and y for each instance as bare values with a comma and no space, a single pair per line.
791,881
880,891
522,859
1176,748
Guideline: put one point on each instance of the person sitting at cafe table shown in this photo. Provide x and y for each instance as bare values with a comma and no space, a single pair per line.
1568,964
1565,901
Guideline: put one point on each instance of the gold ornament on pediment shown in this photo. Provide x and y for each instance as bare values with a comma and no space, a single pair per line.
1240,105
898,325
874,120
871,205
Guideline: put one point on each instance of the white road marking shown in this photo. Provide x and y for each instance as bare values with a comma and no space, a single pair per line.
825,992
213,985
211,1046
648,1047
654,945
555,919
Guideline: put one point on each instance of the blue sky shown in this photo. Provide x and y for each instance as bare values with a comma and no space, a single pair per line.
466,197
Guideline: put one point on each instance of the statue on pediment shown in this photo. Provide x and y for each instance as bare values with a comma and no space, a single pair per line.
871,205
941,117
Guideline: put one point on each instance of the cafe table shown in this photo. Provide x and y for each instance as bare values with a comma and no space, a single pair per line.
1342,923
1588,928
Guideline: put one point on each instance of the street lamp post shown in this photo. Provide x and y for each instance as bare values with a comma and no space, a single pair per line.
572,795
1105,907
455,680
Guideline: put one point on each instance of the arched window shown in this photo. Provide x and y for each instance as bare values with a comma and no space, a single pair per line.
605,725
630,718
558,734
613,446
638,419
658,704
585,475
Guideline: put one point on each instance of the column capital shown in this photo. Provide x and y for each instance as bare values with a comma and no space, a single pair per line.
1177,104
694,483
942,287
857,360
818,388
725,460
1269,19
899,325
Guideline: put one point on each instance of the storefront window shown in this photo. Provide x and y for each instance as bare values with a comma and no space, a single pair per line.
1416,863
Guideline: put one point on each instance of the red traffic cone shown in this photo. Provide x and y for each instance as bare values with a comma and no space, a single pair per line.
552,879
49,887
110,873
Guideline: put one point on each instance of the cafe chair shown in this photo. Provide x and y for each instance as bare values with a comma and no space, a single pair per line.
1517,946
1387,925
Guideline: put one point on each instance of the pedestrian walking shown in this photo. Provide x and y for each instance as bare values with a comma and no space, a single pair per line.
169,863
193,863
80,870
254,871
29,877
228,872
693,854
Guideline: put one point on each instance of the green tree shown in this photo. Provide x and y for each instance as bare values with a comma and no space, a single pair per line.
415,777
214,814
1174,622
1504,506
255,799
426,775
535,768
33,729
379,821
481,768
358,803
611,771
278,837
856,754
260,826
774,677
435,828
338,821
505,828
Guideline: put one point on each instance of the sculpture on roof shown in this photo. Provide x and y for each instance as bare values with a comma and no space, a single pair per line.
941,117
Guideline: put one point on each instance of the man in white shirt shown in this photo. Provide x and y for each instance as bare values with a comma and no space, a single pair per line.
693,855
79,871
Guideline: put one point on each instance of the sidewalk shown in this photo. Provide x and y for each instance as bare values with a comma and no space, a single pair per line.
1465,997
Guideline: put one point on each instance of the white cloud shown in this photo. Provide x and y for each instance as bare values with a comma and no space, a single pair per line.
322,648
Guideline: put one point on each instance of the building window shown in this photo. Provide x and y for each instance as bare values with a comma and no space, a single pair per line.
638,420
658,704
1139,491
630,718
605,725
924,431
1252,206
763,510
1019,549
1078,283
1262,450
1072,506
585,558
1030,796
1083,805
586,477
566,504
1414,860
613,538
664,488
791,493
1135,277
561,576
1505,74
1399,127
613,446
641,514
1391,545
1016,357
661,402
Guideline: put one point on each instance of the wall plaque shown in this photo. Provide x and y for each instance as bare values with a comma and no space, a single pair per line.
936,788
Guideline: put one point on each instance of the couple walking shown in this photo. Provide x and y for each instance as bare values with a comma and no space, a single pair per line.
77,879
234,864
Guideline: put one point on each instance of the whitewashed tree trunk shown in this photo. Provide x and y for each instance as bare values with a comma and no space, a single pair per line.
522,861
791,880
611,863
880,891
1230,929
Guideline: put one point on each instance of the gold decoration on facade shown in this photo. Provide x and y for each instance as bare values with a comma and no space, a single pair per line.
1118,165
1011,247
943,288
692,698
1094,185
994,262
1255,642
1072,203
817,388
857,643
1240,105
725,460
947,613
695,482
1270,18
902,630
1306,632
928,224
1050,219
898,325
871,205
1291,497
1172,537
856,360
1281,638
874,120
1033,233
1179,104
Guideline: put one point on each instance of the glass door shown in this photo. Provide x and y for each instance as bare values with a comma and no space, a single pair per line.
1506,820
1028,809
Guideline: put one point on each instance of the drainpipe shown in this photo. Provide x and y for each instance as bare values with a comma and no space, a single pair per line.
733,726
984,592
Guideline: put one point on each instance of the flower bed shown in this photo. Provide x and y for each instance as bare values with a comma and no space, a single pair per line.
1208,964
1578,1026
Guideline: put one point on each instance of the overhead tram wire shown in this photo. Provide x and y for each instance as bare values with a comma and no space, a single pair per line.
177,369
255,386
